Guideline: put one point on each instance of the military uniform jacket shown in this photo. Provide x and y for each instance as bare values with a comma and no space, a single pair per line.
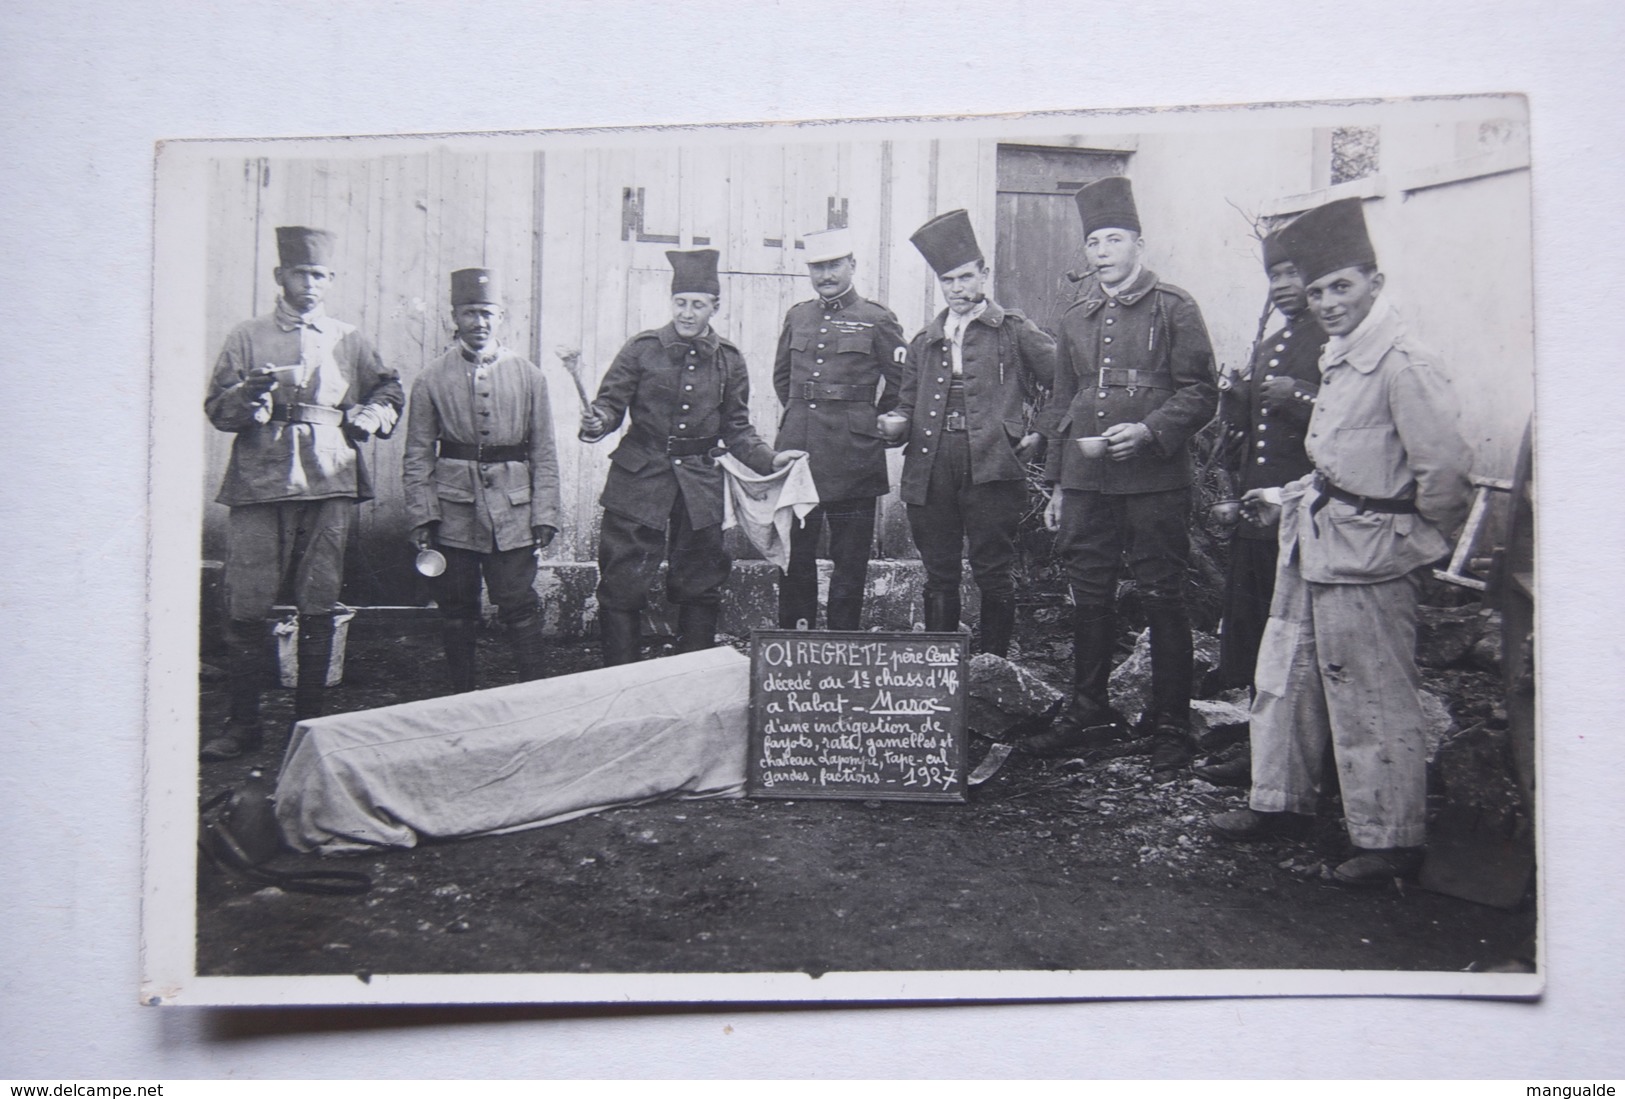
275,460
1141,357
828,351
1270,449
1007,359
676,388
481,506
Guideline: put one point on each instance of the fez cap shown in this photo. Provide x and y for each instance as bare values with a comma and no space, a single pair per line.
695,272
1275,250
1329,238
1108,204
947,241
827,244
297,246
475,286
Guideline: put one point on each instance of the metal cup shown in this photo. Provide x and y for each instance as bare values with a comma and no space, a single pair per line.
1226,513
1092,446
892,426
431,562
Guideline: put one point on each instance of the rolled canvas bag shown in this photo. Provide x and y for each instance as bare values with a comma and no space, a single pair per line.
518,757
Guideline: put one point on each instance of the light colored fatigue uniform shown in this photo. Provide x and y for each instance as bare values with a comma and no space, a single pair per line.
1337,665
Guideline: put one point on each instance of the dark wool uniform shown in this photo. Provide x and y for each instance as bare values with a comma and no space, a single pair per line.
293,480
663,496
838,365
962,479
1264,449
1141,356
481,465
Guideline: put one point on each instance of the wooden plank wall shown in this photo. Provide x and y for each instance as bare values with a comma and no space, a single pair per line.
580,238
403,223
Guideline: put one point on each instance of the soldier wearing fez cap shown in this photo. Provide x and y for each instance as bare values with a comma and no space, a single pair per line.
482,479
687,393
965,380
1337,666
1135,368
1265,413
300,391
839,362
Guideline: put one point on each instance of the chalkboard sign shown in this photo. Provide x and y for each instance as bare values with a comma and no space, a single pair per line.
857,715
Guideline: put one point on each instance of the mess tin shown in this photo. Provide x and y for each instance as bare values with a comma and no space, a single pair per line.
892,426
431,562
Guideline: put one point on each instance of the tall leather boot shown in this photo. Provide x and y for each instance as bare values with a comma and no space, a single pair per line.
247,660
941,611
618,636
845,614
1088,722
697,626
1172,674
798,600
529,646
315,654
998,623
461,639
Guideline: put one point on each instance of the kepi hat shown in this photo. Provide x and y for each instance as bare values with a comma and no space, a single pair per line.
827,244
947,242
695,272
475,286
1108,204
1329,238
298,246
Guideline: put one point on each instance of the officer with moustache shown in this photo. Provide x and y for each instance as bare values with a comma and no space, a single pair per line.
686,392
839,362
1135,375
966,382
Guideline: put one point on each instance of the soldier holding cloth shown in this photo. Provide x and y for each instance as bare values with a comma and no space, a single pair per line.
686,392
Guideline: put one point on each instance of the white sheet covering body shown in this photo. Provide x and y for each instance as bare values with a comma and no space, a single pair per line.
518,757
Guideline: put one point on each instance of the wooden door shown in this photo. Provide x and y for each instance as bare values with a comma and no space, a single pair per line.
1039,243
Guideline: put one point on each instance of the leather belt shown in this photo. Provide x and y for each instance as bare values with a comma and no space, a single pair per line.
1136,379
818,391
675,445
1389,505
307,414
484,452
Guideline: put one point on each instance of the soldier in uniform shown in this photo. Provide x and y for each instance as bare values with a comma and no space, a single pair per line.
1337,665
1136,369
299,391
839,361
686,392
482,479
966,379
1265,414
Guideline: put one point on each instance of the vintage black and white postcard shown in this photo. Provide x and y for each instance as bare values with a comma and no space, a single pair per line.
1043,556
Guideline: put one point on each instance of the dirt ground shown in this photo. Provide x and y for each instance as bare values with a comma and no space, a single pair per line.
1051,865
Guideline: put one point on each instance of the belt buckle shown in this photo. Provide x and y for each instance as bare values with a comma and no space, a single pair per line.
955,421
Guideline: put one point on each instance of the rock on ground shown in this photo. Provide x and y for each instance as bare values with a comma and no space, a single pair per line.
1005,696
1445,636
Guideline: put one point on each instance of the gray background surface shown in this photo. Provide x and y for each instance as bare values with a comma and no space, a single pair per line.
87,88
